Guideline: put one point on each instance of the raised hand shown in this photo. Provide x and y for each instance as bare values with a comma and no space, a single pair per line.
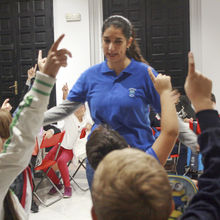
65,90
56,58
161,82
32,72
6,105
198,87
41,61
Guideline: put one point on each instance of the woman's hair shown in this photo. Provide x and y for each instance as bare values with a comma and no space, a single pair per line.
10,212
125,25
5,121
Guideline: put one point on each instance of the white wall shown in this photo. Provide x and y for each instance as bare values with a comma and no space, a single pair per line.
210,20
76,40
205,38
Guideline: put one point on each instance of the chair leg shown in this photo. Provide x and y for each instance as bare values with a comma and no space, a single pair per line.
51,182
81,164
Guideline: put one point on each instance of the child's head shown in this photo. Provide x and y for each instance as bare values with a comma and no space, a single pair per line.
102,141
5,121
129,184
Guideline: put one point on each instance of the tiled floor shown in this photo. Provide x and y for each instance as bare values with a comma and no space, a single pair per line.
77,207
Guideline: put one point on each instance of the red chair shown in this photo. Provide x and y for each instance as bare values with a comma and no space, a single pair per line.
53,141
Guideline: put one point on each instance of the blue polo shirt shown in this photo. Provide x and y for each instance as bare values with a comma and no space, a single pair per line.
121,101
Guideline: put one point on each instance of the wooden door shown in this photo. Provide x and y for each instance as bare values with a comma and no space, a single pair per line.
162,29
25,27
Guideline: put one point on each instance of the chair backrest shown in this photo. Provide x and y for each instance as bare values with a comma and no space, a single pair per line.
183,189
54,140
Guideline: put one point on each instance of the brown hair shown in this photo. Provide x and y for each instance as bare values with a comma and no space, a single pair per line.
125,25
5,121
102,141
129,184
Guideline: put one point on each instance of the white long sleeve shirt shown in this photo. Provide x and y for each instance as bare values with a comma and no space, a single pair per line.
24,128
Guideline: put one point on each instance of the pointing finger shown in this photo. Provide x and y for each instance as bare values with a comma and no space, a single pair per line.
39,54
191,64
35,68
56,43
6,101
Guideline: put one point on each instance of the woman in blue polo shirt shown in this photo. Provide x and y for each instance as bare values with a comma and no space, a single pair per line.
118,90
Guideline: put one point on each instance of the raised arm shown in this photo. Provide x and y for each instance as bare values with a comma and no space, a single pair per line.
205,204
28,120
60,112
169,123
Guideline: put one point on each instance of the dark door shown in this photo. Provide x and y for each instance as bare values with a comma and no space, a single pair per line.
162,29
25,27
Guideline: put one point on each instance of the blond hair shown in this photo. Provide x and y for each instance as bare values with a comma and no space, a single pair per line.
129,184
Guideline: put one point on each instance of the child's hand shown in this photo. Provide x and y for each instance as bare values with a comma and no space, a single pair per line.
65,90
161,82
198,87
88,127
48,134
6,105
41,61
56,58
32,72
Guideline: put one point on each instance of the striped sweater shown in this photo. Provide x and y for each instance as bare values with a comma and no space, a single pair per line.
23,130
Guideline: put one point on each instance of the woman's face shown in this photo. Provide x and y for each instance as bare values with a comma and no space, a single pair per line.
115,44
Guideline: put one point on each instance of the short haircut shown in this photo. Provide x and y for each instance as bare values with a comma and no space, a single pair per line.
102,141
129,184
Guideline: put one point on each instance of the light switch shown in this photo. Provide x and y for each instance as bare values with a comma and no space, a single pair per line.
73,17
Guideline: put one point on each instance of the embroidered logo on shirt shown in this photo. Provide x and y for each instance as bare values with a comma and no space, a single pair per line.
132,92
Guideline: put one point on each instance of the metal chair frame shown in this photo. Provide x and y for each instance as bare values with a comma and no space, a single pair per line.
56,139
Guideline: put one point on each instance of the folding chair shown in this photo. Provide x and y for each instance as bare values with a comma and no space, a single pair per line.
172,161
80,154
194,160
53,141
